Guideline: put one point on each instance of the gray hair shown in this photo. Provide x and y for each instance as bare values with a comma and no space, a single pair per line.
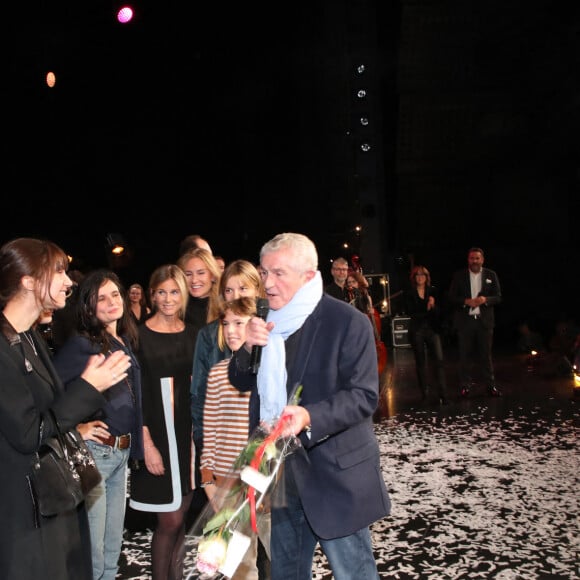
305,256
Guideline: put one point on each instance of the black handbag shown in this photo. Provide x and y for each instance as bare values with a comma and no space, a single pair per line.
63,472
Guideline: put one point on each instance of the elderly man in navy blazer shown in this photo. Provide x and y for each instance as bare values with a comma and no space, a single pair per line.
332,487
474,292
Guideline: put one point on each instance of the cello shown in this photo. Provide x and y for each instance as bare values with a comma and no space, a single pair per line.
375,319
358,294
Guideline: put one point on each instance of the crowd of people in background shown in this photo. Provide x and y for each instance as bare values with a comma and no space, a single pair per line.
463,316
148,376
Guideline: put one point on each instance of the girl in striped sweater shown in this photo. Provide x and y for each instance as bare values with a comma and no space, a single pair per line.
226,425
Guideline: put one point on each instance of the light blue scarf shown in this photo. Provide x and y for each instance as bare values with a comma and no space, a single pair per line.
272,374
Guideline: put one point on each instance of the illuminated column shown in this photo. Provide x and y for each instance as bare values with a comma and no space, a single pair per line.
366,180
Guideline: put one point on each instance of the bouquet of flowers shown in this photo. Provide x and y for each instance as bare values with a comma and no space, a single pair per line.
227,524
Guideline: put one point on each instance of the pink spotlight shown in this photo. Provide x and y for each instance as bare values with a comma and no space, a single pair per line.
124,15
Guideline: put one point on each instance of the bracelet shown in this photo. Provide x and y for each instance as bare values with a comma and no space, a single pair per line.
206,483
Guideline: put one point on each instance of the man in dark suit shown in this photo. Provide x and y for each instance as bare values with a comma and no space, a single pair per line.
332,488
474,292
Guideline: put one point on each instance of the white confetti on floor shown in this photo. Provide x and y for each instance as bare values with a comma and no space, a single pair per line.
474,496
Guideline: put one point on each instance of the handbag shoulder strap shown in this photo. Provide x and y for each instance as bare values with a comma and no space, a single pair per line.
59,434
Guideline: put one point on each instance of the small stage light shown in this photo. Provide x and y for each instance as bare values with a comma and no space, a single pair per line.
125,15
116,244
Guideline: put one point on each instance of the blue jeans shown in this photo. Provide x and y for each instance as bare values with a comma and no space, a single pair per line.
106,509
293,544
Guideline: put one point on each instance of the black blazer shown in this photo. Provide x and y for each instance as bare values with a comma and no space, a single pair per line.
60,547
416,309
71,360
461,289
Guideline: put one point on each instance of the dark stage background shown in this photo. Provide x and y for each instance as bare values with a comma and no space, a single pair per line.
241,121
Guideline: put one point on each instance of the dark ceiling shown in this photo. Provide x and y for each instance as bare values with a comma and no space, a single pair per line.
240,121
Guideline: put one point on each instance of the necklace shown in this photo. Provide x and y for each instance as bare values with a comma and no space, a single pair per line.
30,342
131,391
127,379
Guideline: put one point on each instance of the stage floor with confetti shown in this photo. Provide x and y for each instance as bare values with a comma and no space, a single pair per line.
481,488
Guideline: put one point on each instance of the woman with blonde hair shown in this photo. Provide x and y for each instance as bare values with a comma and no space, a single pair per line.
203,276
165,484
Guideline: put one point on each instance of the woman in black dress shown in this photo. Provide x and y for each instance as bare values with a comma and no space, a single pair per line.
164,485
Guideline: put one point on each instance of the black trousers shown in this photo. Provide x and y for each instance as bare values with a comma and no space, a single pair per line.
475,343
427,345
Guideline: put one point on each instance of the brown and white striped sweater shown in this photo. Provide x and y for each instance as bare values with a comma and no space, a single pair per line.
225,425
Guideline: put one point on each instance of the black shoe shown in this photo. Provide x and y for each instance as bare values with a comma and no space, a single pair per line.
464,391
494,391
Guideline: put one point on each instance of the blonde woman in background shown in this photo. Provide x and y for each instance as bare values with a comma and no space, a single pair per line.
203,276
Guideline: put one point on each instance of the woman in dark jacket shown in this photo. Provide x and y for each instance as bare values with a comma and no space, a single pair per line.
114,434
33,278
424,335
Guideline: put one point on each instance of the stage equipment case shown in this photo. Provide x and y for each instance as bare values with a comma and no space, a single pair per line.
400,328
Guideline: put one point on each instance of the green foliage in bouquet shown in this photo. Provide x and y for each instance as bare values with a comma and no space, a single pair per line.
264,452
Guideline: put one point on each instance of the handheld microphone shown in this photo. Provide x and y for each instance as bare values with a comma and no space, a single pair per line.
262,309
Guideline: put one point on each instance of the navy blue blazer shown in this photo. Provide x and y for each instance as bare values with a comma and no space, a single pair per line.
70,361
461,289
339,478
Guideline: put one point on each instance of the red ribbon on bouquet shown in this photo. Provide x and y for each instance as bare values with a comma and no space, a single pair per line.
257,459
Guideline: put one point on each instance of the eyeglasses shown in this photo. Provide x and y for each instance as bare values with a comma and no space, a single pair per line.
340,269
